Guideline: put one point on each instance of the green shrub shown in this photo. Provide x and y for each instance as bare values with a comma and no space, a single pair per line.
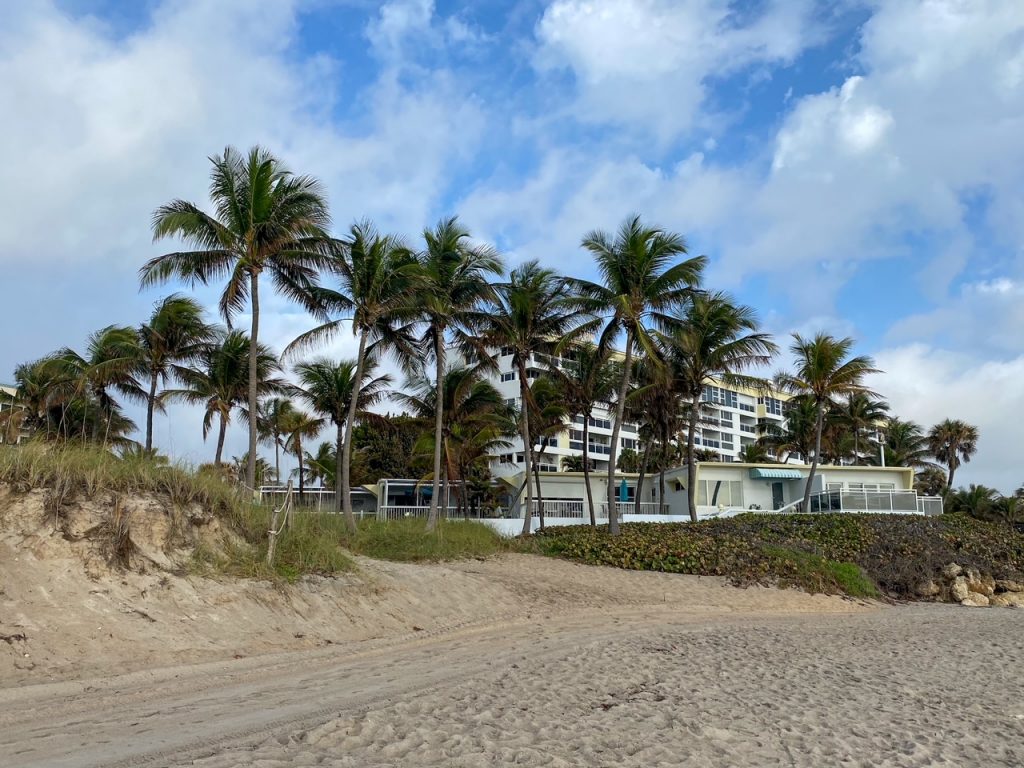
857,555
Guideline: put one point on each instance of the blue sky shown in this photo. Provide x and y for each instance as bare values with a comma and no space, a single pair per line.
848,166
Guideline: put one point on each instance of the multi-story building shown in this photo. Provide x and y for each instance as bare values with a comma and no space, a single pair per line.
730,421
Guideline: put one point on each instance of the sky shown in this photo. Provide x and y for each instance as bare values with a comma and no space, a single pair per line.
847,166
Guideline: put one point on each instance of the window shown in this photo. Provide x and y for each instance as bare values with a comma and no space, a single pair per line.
575,434
533,373
628,442
600,423
508,376
511,402
773,406
627,427
728,493
506,351
720,396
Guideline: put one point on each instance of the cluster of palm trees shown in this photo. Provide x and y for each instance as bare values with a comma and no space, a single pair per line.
448,298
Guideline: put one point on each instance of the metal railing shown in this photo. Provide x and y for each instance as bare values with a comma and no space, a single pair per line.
901,502
929,505
393,512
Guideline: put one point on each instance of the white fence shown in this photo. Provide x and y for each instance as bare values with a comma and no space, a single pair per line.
898,502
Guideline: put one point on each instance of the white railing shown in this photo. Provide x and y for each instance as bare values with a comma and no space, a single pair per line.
929,505
562,508
899,502
393,512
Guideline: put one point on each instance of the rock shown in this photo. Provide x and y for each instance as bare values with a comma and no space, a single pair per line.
928,588
983,585
1001,601
1008,585
958,589
975,600
952,570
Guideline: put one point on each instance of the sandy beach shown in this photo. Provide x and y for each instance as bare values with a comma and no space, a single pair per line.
516,660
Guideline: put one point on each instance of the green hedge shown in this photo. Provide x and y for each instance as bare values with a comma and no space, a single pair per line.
858,555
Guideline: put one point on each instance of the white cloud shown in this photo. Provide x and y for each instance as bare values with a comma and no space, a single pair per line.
928,384
644,63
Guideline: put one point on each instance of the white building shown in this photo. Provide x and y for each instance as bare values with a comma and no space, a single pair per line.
729,423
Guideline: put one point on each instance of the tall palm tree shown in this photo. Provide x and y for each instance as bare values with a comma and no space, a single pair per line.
641,278
976,500
477,420
712,337
858,413
300,426
549,410
174,335
267,220
334,390
451,286
658,405
272,415
220,382
375,278
322,465
798,434
532,313
587,378
109,365
37,387
824,373
953,442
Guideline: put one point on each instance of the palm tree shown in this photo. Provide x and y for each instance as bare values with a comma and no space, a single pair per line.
755,453
37,387
322,465
476,419
174,336
930,481
110,364
976,500
267,221
334,390
272,415
906,445
220,382
532,313
953,442
375,274
657,404
587,378
301,426
451,285
825,372
712,338
548,412
798,434
640,280
858,413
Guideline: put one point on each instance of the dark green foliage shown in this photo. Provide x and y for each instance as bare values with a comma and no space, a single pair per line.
385,448
846,554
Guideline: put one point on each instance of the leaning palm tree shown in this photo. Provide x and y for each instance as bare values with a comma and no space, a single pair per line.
824,373
220,382
587,377
267,220
641,278
712,338
451,285
334,390
109,365
953,442
374,274
531,314
174,335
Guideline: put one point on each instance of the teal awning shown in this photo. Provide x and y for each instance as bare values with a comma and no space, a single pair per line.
764,473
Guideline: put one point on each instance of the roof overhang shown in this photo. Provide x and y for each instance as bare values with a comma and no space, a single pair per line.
775,473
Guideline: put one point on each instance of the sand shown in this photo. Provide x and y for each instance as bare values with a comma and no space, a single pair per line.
514,660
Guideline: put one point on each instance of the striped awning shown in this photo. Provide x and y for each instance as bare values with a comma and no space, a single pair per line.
771,473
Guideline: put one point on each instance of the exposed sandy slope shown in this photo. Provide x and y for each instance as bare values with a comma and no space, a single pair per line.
513,660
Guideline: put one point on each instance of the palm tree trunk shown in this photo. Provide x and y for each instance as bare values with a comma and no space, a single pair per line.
341,444
856,446
254,298
540,493
691,458
302,473
817,450
438,429
345,452
949,476
277,459
150,404
586,467
640,480
620,408
524,430
221,432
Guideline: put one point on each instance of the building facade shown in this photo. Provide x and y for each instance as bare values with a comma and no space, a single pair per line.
731,417
8,404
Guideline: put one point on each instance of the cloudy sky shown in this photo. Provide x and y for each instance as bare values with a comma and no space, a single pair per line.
849,166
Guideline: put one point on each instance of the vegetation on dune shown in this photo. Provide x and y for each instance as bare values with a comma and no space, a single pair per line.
857,555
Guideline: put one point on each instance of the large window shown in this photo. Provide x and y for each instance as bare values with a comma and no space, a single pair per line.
508,376
728,493
720,396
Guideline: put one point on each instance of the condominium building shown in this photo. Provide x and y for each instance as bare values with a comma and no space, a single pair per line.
729,422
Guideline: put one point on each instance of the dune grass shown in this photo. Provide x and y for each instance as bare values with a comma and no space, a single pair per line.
408,541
